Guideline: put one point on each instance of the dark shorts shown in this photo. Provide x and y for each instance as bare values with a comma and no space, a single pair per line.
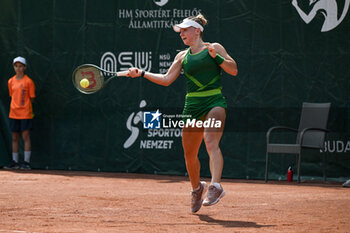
20,125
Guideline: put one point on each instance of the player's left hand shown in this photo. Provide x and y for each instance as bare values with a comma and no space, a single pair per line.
134,72
211,49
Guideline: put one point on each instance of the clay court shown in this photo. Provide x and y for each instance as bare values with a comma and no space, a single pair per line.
65,201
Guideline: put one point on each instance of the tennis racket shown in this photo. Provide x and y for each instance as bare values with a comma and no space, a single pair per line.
96,77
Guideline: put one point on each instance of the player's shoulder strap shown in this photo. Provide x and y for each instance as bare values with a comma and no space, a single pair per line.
184,61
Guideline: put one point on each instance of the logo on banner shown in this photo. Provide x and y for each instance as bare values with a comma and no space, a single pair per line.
160,2
108,62
151,120
142,60
329,9
131,125
156,137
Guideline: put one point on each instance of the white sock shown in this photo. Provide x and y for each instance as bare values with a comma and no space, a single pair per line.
15,156
217,185
27,156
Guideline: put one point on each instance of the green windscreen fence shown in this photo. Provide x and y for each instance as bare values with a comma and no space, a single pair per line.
288,52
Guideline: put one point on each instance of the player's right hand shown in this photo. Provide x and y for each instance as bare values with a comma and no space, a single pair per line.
134,72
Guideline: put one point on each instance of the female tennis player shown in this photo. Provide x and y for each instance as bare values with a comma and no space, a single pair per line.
202,63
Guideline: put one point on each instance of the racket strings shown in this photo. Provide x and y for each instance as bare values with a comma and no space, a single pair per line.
93,75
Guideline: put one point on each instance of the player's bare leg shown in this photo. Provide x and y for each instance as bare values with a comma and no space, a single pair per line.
212,137
191,141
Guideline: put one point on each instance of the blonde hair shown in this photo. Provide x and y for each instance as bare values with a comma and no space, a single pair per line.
199,19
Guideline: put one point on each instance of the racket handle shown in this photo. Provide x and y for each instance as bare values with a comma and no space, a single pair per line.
122,73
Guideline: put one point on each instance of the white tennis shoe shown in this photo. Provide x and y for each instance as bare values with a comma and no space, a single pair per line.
215,193
197,196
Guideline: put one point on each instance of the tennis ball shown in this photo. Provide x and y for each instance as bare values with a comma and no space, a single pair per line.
84,83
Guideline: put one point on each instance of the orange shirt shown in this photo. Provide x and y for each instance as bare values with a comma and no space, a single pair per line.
21,91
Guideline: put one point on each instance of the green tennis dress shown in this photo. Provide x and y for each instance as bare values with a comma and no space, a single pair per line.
202,83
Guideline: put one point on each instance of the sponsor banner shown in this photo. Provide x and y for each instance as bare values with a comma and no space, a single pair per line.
154,18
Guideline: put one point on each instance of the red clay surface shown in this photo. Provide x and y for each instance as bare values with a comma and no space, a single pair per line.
64,201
